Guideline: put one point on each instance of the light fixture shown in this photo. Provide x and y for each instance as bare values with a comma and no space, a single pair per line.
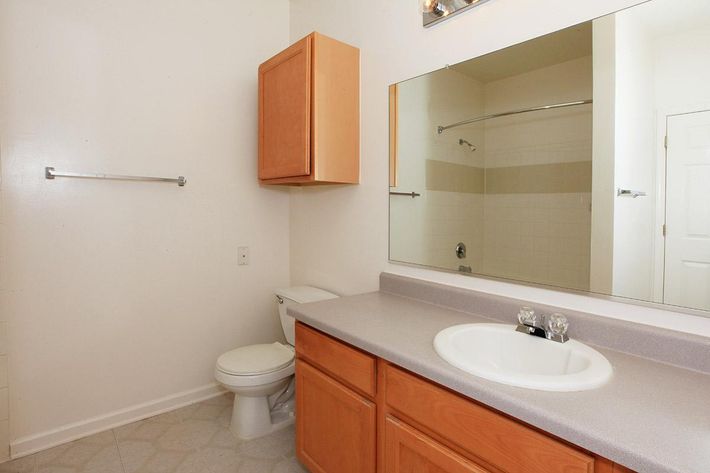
434,11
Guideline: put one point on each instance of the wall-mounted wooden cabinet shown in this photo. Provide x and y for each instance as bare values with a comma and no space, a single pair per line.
358,413
309,114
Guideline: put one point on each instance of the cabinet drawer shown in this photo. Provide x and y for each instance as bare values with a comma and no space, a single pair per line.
347,364
410,451
489,436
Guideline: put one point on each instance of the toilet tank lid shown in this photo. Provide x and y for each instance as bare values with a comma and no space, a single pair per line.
303,294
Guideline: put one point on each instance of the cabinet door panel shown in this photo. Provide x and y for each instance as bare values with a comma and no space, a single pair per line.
496,439
335,427
410,451
285,113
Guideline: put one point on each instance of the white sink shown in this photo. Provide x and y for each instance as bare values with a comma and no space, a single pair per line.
498,353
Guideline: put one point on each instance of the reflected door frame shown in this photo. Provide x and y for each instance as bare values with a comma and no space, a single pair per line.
661,161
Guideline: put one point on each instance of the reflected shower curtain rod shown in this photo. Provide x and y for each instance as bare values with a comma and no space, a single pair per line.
440,129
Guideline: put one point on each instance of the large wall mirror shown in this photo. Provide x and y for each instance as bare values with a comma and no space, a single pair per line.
579,159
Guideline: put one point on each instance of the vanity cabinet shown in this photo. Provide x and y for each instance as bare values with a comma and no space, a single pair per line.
355,412
336,412
309,114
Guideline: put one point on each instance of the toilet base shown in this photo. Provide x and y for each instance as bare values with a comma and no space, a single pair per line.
253,416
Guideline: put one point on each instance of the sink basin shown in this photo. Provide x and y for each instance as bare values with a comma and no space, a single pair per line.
498,353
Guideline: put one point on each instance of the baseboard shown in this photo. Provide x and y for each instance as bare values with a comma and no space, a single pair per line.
51,438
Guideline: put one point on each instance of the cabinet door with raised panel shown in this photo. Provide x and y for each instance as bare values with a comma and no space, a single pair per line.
494,438
409,451
285,113
335,427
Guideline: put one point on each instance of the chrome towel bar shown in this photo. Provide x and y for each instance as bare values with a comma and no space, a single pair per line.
50,173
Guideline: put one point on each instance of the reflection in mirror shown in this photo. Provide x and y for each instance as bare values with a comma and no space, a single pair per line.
501,155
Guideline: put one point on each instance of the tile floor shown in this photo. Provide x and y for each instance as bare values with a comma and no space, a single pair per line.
193,439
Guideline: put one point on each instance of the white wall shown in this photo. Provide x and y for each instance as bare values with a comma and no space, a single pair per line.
682,76
660,70
121,293
339,234
634,159
601,266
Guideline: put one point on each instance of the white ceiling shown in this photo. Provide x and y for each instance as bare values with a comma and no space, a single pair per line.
554,48
667,17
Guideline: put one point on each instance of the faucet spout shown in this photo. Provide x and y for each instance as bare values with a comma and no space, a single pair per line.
552,328
531,330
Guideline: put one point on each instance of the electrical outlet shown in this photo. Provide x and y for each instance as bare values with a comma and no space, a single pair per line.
243,255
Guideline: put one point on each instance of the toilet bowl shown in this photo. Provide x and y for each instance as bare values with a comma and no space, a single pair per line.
261,375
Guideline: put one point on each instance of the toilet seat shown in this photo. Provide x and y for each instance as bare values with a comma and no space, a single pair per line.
255,365
237,381
255,359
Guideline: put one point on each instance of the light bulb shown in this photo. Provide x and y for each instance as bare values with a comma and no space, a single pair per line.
435,7
428,5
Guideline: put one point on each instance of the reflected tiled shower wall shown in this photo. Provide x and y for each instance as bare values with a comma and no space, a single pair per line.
447,174
529,223
541,238
522,201
538,174
453,217
515,190
4,397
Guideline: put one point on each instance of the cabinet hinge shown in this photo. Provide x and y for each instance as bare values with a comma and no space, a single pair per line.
665,141
663,229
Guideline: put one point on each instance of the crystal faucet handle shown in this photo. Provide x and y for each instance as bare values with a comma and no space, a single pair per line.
527,316
556,324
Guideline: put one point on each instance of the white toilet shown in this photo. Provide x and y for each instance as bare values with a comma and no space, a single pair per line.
261,376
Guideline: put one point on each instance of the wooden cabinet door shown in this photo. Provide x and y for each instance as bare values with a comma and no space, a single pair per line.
495,439
285,113
335,427
410,451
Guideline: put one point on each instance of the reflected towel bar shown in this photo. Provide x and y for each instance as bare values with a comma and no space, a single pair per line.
410,194
50,173
440,129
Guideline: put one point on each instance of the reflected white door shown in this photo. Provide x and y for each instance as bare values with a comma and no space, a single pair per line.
687,260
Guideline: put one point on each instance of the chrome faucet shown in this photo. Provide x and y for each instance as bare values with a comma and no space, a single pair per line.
552,327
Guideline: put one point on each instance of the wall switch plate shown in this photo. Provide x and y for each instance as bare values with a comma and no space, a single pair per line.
243,255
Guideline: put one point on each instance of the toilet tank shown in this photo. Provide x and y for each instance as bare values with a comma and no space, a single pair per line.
297,295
